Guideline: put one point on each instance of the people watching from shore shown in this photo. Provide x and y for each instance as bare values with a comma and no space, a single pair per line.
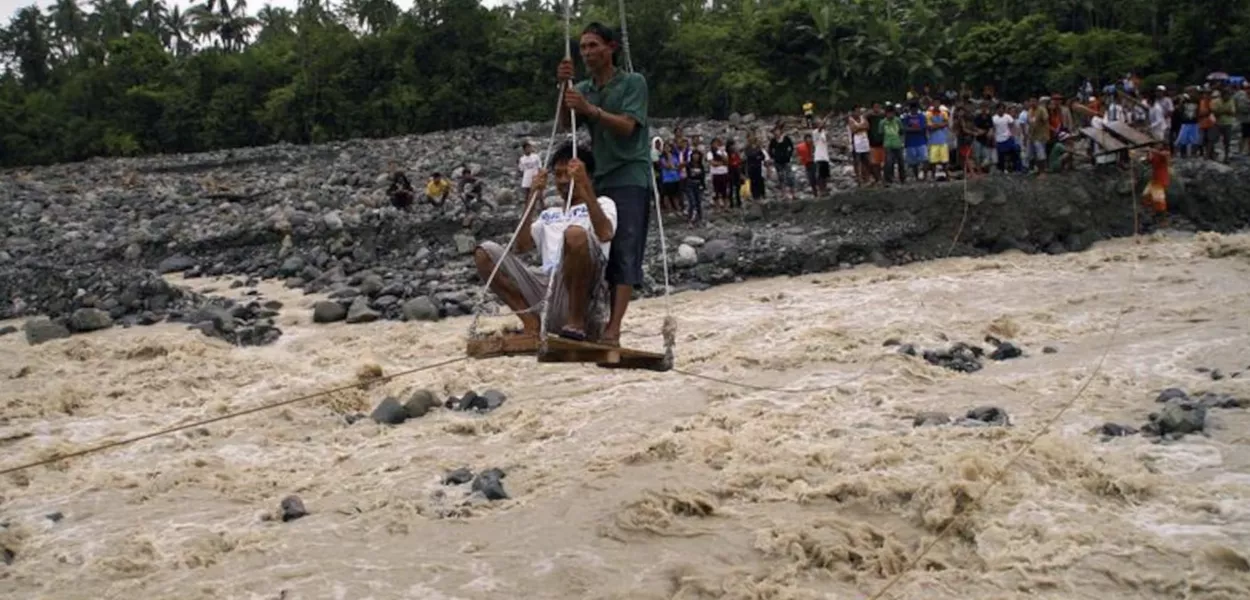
437,189
400,191
528,165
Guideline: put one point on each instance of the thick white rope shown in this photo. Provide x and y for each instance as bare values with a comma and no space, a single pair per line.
669,329
535,194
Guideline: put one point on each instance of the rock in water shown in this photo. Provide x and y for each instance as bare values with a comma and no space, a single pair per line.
494,399
7,329
490,484
420,403
989,414
1178,417
1006,351
327,311
458,476
360,311
176,263
1172,394
41,329
421,309
1116,430
931,418
90,319
389,412
292,508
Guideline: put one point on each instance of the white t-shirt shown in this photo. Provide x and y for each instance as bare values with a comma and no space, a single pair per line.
548,230
1002,127
821,152
723,156
529,165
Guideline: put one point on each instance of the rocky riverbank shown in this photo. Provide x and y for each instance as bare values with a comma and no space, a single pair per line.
83,242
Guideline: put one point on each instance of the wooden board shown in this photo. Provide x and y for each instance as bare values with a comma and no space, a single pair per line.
560,350
1103,139
1132,136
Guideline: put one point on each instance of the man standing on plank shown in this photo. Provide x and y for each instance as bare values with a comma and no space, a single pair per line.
613,106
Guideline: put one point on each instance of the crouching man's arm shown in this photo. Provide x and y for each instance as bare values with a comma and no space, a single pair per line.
585,192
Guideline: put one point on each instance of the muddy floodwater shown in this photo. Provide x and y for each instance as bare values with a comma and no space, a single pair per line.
639,485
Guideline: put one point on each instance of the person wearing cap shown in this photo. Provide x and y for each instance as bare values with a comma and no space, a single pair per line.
612,104
528,165
1188,137
1061,157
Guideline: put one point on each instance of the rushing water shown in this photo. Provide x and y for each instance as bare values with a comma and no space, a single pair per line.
638,485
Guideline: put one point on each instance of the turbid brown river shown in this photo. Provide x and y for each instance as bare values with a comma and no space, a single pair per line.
639,485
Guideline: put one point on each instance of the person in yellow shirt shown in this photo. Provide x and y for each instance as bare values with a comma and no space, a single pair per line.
437,189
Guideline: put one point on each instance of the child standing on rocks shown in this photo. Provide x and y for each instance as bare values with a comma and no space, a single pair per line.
1155,195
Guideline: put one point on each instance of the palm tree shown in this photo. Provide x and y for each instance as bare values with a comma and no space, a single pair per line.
230,24
177,32
69,26
275,22
376,15
152,15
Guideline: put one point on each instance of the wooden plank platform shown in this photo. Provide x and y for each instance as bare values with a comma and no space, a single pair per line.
560,350
1126,132
1103,139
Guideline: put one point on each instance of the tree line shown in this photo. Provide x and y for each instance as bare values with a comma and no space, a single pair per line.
112,78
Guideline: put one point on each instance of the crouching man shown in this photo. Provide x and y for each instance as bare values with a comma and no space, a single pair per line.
574,245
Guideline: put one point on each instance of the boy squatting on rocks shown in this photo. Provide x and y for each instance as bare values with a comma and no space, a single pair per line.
574,245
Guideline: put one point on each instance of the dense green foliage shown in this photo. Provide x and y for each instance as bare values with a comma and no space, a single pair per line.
122,79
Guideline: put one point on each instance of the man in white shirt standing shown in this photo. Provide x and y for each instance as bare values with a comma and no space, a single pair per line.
820,154
528,165
1005,141
573,244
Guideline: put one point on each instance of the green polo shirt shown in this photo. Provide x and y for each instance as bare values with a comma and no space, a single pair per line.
620,161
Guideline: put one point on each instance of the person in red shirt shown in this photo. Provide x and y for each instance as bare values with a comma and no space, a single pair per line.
1155,195
804,150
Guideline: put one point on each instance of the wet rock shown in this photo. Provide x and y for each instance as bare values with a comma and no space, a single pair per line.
891,342
175,263
55,517
328,311
958,357
1171,394
1050,350
354,418
1214,400
490,484
389,412
7,556
687,256
361,313
42,329
89,319
907,349
1216,374
458,476
1115,430
1006,351
989,414
7,329
929,419
1178,417
421,309
420,403
292,508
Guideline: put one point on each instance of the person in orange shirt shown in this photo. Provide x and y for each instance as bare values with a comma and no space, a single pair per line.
1155,195
1205,120
805,150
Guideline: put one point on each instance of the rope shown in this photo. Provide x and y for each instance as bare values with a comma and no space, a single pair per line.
202,422
1046,426
629,63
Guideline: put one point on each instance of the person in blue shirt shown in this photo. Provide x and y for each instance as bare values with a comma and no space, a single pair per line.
915,140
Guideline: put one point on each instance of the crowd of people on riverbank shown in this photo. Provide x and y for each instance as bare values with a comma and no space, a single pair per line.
937,136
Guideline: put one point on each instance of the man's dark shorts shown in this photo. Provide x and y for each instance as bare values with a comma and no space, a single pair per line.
629,243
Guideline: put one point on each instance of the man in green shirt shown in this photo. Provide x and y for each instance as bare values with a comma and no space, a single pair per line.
891,132
613,106
1225,111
